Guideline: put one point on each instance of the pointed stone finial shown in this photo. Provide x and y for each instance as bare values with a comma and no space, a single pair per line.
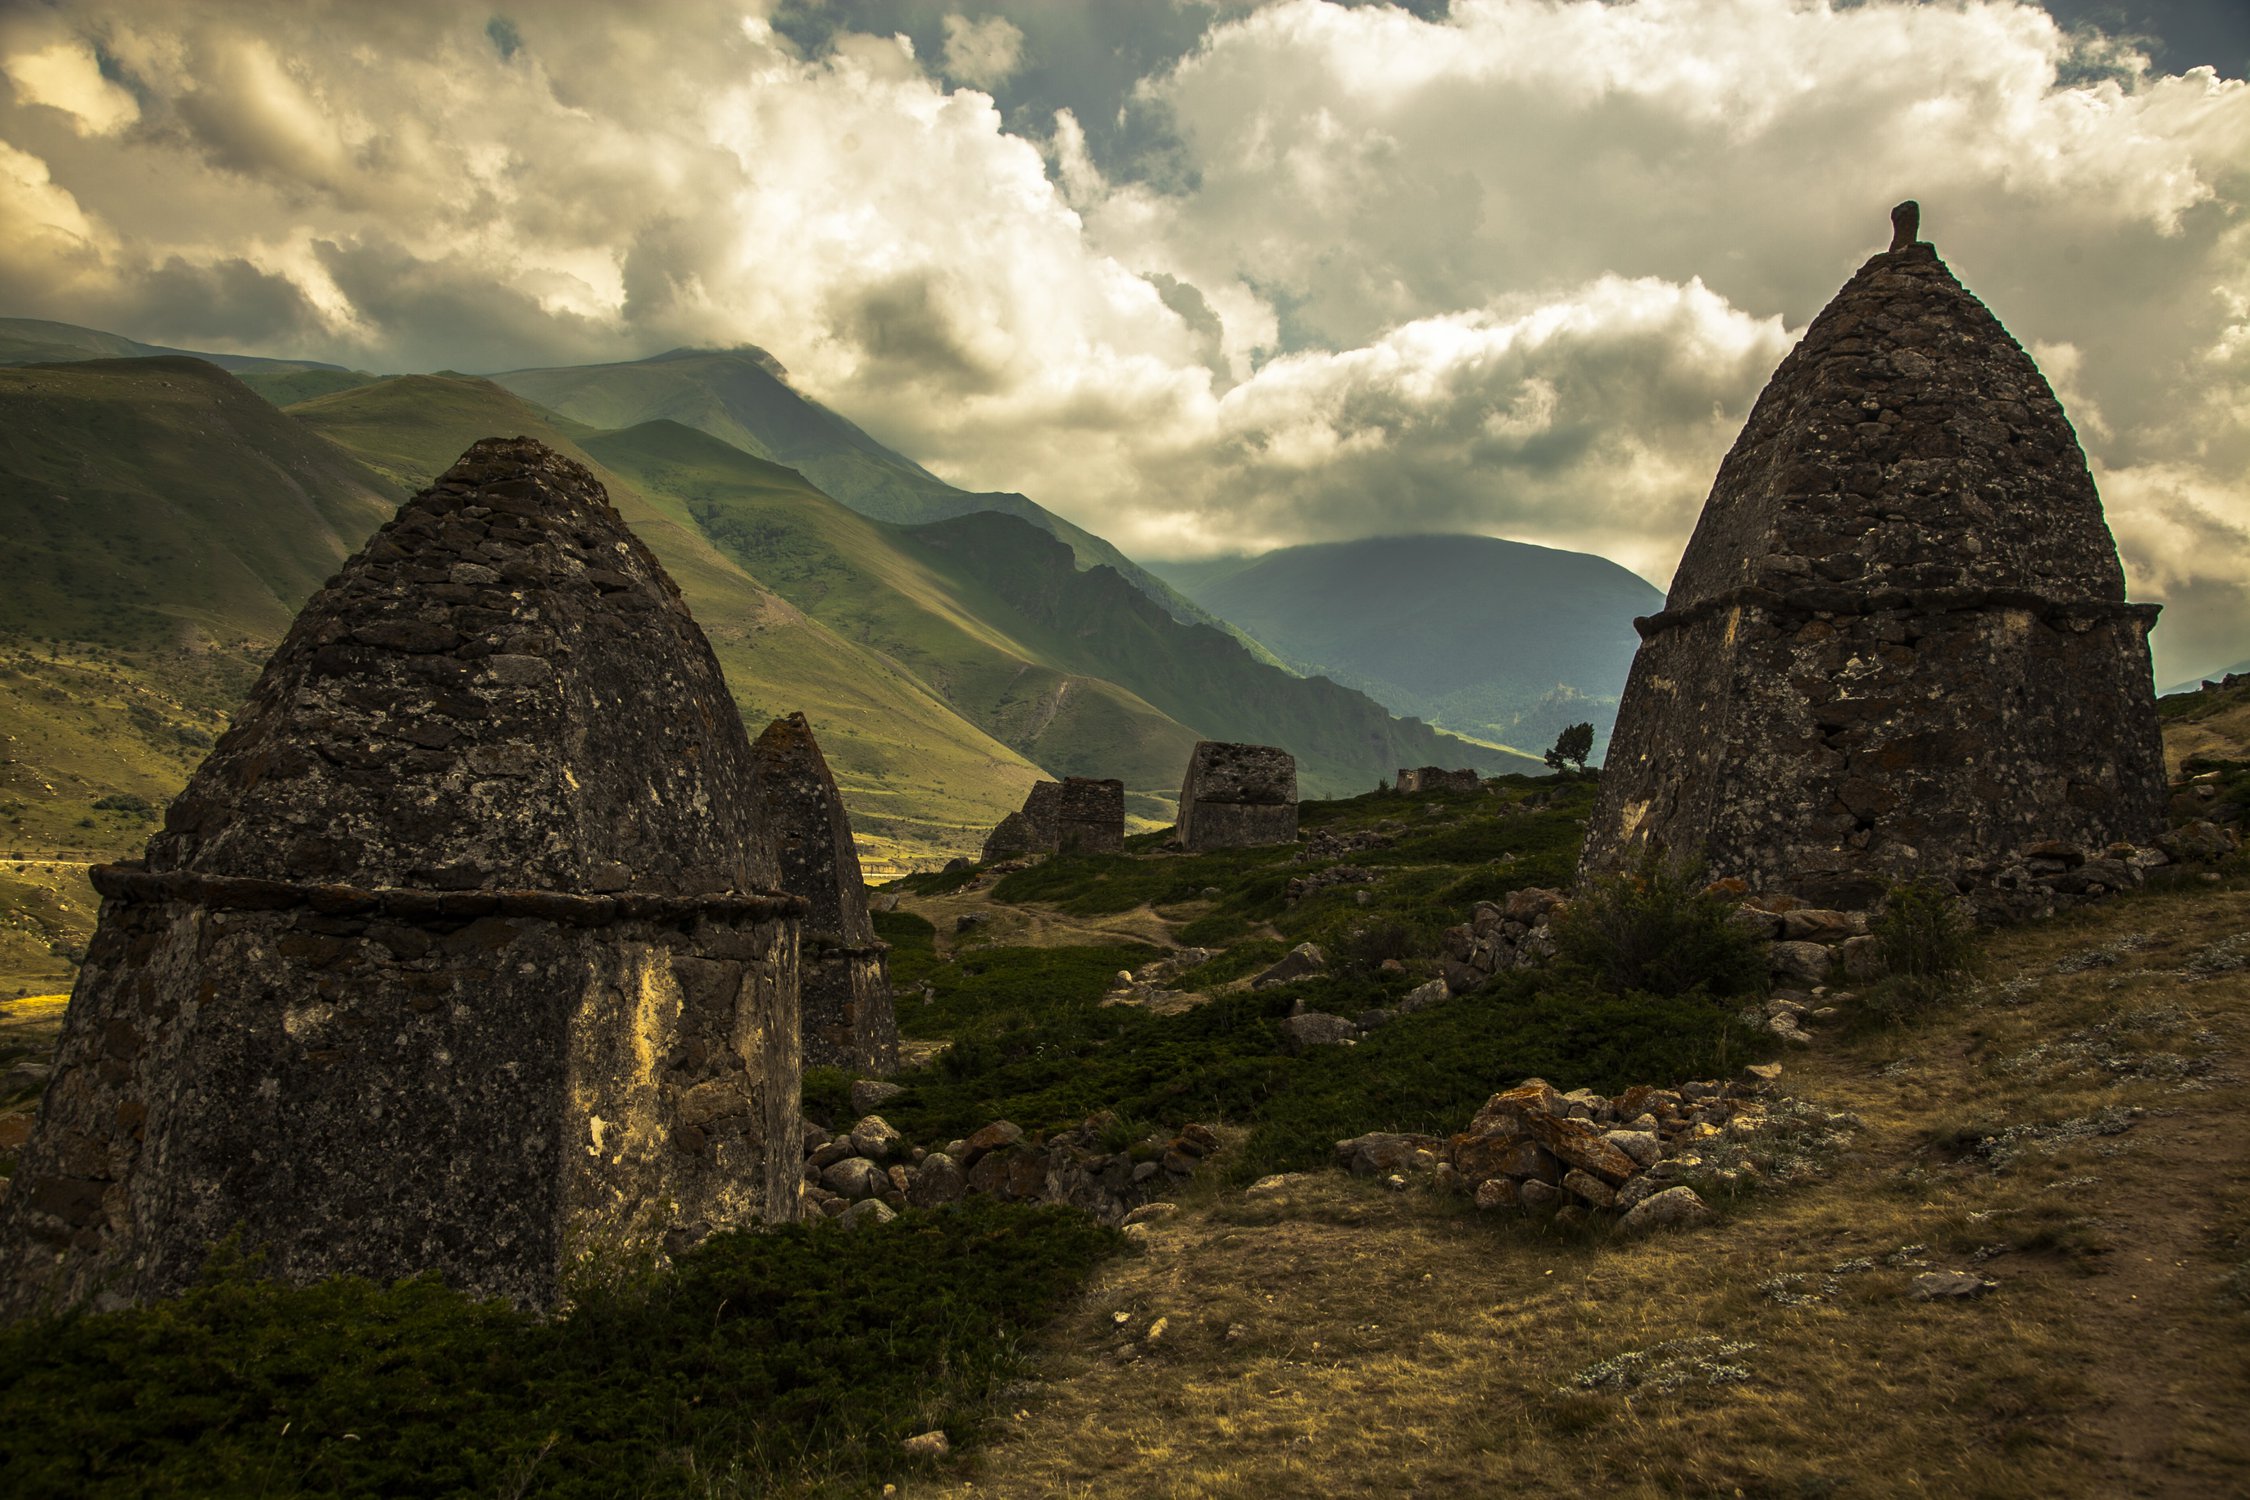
1906,224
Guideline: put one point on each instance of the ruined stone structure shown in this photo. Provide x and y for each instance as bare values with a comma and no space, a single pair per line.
1078,815
1898,644
1010,839
458,953
848,1019
1438,779
1238,797
1090,816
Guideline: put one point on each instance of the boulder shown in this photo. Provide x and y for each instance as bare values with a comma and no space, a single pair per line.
1675,1207
1301,962
874,1139
1383,1152
1316,1029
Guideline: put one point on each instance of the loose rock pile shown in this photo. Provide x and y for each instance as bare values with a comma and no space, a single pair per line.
1535,1148
871,1171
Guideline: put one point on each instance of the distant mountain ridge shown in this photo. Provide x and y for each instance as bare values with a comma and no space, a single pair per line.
1076,669
27,341
742,396
1501,640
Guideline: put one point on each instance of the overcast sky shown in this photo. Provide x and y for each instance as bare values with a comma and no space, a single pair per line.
1202,277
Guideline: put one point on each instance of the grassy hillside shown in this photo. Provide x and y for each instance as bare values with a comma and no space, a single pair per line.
154,500
919,779
874,585
25,341
743,397
1342,739
1497,639
1077,670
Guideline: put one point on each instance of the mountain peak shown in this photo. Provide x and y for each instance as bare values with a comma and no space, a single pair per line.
750,352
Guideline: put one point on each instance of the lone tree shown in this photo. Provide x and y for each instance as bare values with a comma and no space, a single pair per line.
1573,745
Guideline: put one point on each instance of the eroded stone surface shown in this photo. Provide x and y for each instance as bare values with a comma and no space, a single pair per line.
451,957
849,1020
1080,815
1898,644
1238,797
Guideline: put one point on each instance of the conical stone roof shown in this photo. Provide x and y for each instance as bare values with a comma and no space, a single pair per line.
848,1019
1898,643
474,703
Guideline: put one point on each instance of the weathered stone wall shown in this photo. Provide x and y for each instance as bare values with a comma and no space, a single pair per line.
1090,816
1438,779
848,1016
1010,839
1898,644
1042,814
453,955
1237,797
1077,815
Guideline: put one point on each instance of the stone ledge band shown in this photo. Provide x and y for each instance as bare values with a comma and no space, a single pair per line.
126,882
1920,601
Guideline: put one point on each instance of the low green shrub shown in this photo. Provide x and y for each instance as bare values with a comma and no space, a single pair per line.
1926,942
793,1359
1657,930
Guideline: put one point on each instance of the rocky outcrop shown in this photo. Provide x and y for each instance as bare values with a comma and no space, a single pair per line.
459,953
1238,797
1898,645
846,985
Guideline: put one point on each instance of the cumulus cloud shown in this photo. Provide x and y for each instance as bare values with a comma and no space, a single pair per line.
982,54
1510,266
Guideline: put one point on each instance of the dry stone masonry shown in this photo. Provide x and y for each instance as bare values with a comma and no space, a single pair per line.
1437,779
1080,815
848,1017
1898,644
1238,797
457,954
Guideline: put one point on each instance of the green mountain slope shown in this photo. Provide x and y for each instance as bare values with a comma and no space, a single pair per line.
1341,737
1078,670
918,777
874,585
1497,639
743,397
150,501
25,341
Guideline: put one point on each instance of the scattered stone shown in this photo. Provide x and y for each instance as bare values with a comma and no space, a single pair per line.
1384,1152
993,1137
1277,1182
1497,1193
1950,1286
938,1180
874,1138
1316,1029
865,1212
854,1177
927,1445
1301,962
1149,1213
1673,1208
871,1094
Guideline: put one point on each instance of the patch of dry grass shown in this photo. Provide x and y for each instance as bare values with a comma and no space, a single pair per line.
2071,1132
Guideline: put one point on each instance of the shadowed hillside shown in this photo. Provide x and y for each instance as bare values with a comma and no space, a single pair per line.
1078,670
743,397
1497,639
